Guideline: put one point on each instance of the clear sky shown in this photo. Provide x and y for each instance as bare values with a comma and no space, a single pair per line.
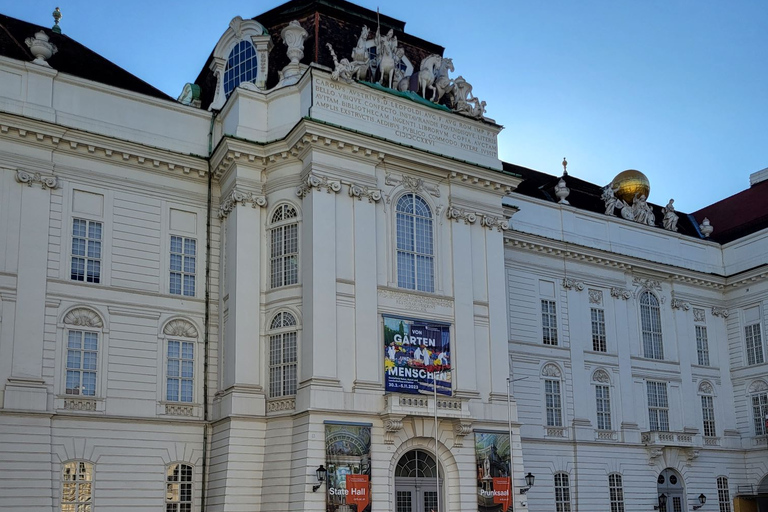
677,89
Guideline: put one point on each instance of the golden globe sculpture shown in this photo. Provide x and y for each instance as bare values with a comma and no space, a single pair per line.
630,182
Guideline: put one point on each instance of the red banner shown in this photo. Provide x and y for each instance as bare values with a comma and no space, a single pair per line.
358,491
502,492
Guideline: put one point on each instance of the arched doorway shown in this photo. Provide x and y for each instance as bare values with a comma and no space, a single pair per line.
762,495
671,485
416,483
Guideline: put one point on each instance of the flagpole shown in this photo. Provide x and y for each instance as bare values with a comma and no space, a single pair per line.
437,460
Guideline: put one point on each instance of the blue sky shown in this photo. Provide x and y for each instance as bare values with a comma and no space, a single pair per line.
675,88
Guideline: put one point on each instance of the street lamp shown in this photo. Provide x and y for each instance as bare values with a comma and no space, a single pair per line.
321,473
702,501
662,502
529,478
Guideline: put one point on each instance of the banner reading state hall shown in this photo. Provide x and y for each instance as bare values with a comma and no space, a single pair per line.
417,356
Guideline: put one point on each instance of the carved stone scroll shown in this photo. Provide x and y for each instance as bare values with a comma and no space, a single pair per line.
360,191
242,198
571,284
318,182
28,178
680,304
460,214
620,293
721,312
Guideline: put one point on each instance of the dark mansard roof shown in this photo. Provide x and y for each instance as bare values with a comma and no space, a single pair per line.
71,58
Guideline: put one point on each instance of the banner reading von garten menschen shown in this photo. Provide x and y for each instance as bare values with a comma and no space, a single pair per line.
417,355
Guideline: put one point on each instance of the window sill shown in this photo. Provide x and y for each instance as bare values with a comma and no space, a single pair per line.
77,403
179,409
281,404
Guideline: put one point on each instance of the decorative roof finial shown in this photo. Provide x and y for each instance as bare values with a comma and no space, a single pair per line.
565,167
56,17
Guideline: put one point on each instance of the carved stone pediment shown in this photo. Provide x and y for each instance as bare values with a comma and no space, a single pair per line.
83,317
180,327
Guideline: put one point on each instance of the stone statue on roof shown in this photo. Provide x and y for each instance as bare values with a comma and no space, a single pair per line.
670,217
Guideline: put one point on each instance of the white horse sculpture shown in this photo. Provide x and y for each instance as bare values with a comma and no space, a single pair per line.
443,83
427,74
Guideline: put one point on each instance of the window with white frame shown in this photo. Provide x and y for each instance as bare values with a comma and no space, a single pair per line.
723,494
650,323
548,322
178,488
284,246
182,266
754,339
553,403
658,406
77,486
702,345
415,244
283,355
562,493
760,412
241,66
86,251
616,491
82,362
598,330
708,415
603,402
180,374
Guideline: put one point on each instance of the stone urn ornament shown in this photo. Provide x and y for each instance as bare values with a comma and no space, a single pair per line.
41,48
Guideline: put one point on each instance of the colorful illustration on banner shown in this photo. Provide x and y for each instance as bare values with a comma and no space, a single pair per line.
348,460
494,486
417,355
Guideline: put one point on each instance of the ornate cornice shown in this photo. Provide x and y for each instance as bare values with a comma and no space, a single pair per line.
242,198
72,141
360,191
318,182
28,178
484,182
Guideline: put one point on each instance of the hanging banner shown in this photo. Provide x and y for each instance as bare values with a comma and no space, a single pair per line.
417,356
348,461
494,486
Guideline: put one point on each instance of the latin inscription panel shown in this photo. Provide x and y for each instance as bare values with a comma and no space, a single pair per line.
403,121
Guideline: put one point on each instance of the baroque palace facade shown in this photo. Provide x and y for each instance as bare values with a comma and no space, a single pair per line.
281,291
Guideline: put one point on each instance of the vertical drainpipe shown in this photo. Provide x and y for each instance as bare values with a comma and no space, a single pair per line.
206,335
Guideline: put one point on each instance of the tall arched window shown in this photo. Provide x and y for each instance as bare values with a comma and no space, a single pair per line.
178,488
415,247
562,493
241,66
76,486
284,246
283,355
650,320
616,491
723,494
83,329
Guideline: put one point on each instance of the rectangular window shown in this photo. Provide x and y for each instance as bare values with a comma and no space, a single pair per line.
603,398
553,403
754,344
284,255
598,330
702,345
562,493
82,360
86,251
282,364
183,252
708,413
181,371
77,487
658,406
549,322
760,413
616,492
723,495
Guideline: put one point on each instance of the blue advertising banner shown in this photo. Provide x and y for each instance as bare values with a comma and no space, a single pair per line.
417,356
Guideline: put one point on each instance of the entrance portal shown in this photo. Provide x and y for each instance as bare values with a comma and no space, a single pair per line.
670,484
416,484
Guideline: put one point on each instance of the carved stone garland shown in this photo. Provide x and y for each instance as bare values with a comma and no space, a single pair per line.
242,198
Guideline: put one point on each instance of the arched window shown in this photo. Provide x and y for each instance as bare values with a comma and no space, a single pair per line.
706,391
758,392
178,488
283,355
284,246
650,320
723,494
562,493
553,401
602,383
180,361
616,492
76,486
416,464
83,327
241,66
415,248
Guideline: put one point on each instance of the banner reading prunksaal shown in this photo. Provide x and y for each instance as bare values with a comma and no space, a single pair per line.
494,486
417,355
348,461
